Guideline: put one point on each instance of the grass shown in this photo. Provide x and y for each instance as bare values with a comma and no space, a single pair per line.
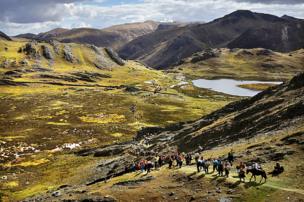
46,117
256,86
236,65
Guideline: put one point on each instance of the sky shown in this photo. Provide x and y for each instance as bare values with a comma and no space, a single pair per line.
35,16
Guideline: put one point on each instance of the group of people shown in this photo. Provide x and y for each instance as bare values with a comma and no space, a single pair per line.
221,166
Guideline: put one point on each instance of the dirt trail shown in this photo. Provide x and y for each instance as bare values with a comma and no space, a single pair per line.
231,179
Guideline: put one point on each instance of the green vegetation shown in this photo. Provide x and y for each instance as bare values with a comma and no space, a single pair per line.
253,64
52,116
257,86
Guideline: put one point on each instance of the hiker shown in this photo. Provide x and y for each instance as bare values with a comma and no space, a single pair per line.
256,166
142,166
215,165
179,160
149,165
277,170
227,168
206,166
188,159
220,168
132,167
199,163
240,169
196,157
160,161
155,159
230,157
170,161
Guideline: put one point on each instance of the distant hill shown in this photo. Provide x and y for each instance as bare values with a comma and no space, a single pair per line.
4,36
114,37
240,29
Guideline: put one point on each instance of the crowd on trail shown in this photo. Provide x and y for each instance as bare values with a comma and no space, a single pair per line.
220,166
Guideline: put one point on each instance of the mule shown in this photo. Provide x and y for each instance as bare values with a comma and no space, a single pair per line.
255,173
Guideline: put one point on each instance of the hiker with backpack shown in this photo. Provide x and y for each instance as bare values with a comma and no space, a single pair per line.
215,165
188,159
179,160
230,157
227,167
220,168
240,169
170,161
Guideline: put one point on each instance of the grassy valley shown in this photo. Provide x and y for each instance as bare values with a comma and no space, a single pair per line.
51,106
75,114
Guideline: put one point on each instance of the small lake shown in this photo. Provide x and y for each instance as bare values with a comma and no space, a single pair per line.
229,86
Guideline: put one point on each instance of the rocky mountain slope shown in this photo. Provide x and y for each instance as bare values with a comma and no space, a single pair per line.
114,37
239,29
4,36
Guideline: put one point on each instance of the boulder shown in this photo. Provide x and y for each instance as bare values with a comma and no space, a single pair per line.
68,55
207,54
46,52
30,50
264,52
114,56
24,62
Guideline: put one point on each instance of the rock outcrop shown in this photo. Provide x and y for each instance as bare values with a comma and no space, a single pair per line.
68,54
112,54
46,52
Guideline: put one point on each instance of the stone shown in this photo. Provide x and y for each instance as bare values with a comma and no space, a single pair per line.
24,62
114,56
46,52
68,55
207,54
230,191
30,49
56,194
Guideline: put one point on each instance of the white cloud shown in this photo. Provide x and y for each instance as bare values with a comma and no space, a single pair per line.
95,14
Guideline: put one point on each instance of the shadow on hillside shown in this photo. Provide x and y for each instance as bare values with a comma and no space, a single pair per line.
190,175
200,176
253,184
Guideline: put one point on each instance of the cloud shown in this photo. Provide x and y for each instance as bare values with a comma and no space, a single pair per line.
98,13
286,2
33,11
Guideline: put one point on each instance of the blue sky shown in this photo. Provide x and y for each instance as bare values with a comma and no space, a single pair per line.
35,16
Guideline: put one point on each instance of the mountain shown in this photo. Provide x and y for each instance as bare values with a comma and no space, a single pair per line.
4,36
242,64
243,29
114,37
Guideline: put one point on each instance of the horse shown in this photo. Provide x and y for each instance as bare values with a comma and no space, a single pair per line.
255,173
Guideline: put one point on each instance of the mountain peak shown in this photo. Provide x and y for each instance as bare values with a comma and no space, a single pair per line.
287,17
242,13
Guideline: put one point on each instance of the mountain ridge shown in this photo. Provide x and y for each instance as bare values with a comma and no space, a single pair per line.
228,31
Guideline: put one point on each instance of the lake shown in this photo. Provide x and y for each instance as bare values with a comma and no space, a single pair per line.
229,86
